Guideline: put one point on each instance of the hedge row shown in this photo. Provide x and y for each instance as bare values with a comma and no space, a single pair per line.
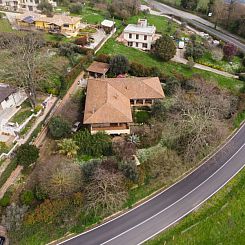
5,175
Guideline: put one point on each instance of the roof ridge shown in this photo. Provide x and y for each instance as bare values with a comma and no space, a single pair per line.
148,78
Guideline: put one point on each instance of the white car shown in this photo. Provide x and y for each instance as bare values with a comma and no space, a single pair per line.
76,126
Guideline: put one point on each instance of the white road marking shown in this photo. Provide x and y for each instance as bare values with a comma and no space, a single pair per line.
153,216
219,149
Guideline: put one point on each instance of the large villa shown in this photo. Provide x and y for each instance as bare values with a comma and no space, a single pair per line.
109,102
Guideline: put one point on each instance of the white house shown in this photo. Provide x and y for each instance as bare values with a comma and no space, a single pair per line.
140,35
23,5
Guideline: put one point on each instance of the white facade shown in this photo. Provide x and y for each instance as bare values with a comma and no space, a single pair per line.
139,35
23,5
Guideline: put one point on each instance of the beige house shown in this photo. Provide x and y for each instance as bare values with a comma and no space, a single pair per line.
109,101
63,24
140,35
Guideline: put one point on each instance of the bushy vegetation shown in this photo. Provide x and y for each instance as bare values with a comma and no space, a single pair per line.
27,154
119,64
58,128
94,145
164,48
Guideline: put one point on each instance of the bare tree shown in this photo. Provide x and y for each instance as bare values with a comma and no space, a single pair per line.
106,191
197,119
60,177
23,62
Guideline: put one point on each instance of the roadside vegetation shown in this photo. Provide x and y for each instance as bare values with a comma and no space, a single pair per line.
219,220
62,187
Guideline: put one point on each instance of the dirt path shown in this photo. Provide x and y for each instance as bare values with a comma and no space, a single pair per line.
12,178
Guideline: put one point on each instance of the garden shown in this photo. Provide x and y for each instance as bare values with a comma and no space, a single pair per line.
73,167
76,179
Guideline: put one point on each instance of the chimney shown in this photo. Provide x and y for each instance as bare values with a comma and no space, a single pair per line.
94,110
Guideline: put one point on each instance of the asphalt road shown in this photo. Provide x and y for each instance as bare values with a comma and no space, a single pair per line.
168,207
198,22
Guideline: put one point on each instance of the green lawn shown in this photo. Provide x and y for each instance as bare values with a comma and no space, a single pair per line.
22,114
5,26
112,47
219,221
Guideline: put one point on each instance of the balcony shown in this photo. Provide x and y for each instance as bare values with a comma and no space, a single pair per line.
112,129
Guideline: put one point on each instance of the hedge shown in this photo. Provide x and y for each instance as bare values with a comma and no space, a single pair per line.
10,168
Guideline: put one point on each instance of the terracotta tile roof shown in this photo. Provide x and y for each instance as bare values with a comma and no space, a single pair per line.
108,100
105,104
98,67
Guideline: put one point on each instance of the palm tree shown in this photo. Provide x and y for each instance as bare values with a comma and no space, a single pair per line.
68,147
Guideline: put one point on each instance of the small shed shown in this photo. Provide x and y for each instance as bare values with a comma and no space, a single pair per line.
98,69
108,25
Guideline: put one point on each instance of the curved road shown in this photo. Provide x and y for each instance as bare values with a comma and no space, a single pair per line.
157,214
199,22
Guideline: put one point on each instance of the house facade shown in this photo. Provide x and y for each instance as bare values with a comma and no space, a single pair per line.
66,25
140,35
109,102
23,5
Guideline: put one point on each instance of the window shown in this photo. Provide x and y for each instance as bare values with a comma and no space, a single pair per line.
31,1
130,35
144,45
36,1
66,25
130,44
137,36
30,8
145,37
137,45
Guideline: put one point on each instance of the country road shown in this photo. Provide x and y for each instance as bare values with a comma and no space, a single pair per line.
198,22
157,214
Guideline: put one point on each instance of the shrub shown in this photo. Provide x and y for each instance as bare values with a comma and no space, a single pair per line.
27,197
94,145
164,48
81,41
76,8
129,169
119,64
142,116
58,128
45,7
171,85
60,177
5,201
229,50
89,168
68,147
27,154
194,50
103,58
159,111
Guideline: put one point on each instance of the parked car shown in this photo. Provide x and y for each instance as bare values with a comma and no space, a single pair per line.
2,240
76,126
181,44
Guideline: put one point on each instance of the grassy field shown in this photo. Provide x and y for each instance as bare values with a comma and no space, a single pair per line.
219,221
112,47
5,26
